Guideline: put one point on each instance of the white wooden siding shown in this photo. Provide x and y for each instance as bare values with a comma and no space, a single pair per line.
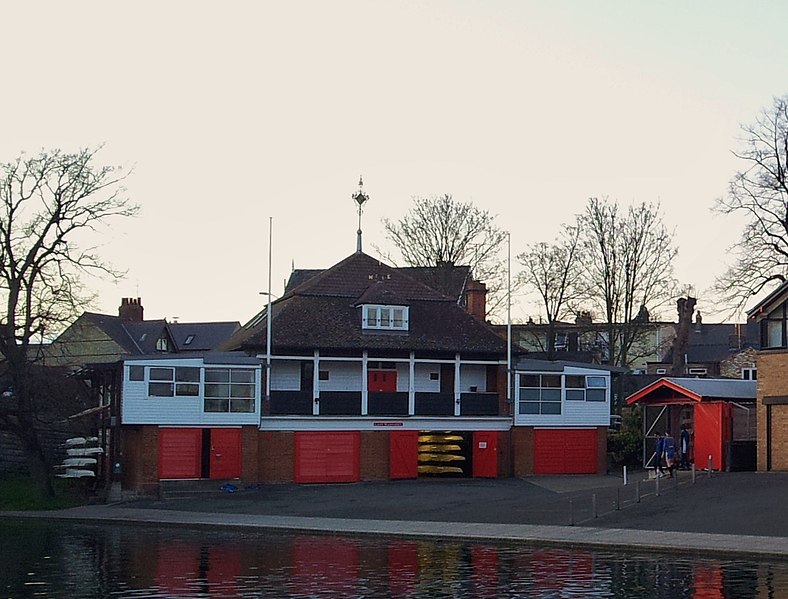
138,408
285,375
473,375
342,376
422,382
573,413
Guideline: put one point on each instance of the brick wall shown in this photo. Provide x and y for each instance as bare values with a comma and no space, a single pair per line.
773,382
731,367
140,458
276,457
601,450
375,451
250,437
522,439
505,454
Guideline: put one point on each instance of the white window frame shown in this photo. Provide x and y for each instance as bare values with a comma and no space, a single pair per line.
541,402
749,374
384,317
178,387
233,388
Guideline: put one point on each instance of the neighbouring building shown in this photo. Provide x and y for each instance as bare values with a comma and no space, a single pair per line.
770,315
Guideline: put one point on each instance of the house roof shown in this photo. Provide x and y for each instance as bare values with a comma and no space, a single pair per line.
324,312
141,337
201,336
716,342
531,364
676,390
450,280
769,303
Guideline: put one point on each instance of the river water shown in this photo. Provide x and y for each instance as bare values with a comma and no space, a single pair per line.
52,559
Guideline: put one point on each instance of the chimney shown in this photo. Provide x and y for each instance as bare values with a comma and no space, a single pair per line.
130,309
476,300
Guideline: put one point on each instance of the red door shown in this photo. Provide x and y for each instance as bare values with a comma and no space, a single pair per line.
485,454
565,451
225,453
404,454
327,457
712,431
179,452
382,381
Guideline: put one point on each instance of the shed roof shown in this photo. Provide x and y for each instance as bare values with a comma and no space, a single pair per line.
673,390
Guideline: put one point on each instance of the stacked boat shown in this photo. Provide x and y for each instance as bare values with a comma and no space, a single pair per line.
82,457
441,453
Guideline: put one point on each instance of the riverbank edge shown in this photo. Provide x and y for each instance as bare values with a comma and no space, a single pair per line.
613,539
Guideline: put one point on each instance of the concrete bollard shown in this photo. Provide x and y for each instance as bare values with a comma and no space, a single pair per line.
656,481
693,473
593,505
709,468
618,499
571,513
625,476
637,491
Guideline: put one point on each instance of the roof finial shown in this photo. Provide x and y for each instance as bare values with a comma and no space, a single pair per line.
360,197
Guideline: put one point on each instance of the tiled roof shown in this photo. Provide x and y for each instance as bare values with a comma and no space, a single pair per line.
715,342
204,335
324,312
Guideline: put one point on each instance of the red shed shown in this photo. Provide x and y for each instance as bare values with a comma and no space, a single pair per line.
719,413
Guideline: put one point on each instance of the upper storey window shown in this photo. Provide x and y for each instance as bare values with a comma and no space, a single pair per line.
390,318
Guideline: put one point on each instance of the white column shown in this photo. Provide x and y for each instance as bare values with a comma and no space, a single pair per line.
412,384
316,384
457,384
364,386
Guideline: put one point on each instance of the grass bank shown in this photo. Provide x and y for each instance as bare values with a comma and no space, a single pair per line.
18,492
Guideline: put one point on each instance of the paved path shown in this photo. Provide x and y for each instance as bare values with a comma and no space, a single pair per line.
740,514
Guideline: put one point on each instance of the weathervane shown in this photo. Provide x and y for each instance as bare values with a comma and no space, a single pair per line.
360,197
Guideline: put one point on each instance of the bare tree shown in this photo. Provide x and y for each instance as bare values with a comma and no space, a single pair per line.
759,192
551,270
627,270
49,203
442,231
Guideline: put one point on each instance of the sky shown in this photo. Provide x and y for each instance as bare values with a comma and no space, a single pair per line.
230,116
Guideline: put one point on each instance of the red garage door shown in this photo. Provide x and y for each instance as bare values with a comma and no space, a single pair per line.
327,457
180,452
565,451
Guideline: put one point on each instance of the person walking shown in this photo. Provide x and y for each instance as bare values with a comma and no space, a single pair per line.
669,452
684,447
658,450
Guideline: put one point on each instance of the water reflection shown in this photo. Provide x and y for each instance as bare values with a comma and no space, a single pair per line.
42,559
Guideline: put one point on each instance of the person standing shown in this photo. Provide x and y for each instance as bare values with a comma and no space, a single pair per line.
684,447
669,452
658,450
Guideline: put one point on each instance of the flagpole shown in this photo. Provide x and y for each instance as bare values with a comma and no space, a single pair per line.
268,320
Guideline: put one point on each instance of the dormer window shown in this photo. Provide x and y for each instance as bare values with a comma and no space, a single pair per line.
161,344
389,318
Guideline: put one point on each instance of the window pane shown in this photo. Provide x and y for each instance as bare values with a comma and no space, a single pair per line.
385,317
217,390
530,394
372,316
160,389
136,373
575,394
575,381
551,380
551,395
529,407
242,375
596,395
775,332
596,382
551,408
529,380
242,405
243,390
397,324
187,389
216,405
162,374
217,375
184,374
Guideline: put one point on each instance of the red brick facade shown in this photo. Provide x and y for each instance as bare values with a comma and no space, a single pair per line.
772,416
